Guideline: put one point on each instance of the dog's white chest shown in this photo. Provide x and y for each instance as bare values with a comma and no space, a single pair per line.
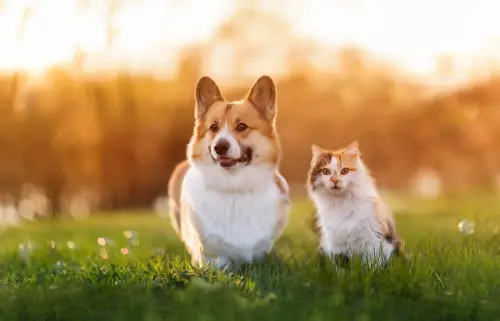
238,225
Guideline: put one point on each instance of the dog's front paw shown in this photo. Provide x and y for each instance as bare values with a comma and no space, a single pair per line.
218,262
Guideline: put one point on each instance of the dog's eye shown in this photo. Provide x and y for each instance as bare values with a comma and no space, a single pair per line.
214,128
344,171
326,171
241,127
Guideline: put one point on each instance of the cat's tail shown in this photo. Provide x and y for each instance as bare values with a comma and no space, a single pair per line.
389,233
400,251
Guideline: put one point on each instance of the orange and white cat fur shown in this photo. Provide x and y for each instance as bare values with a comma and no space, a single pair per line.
228,201
351,218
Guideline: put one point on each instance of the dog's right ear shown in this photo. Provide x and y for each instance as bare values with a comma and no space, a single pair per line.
263,96
206,94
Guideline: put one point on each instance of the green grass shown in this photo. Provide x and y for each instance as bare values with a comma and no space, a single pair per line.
451,276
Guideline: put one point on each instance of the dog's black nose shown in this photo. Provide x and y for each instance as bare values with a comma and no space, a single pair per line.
221,147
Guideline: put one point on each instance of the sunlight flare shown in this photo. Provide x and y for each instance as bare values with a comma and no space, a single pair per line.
35,35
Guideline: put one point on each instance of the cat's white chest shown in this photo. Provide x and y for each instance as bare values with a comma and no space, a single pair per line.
348,227
239,225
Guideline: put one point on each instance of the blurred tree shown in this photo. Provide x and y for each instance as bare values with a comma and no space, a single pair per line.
189,67
79,55
18,77
117,136
111,31
299,62
180,121
257,36
351,62
352,71
56,152
445,66
129,131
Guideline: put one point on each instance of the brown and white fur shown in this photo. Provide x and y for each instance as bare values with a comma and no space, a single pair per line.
228,200
351,218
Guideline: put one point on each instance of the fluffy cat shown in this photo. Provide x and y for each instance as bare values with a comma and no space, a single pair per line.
351,218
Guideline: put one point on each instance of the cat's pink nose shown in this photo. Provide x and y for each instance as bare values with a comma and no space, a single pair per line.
334,180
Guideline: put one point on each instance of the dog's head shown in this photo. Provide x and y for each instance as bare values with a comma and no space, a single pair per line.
235,134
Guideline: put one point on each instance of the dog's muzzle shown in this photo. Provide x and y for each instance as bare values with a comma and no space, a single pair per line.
224,161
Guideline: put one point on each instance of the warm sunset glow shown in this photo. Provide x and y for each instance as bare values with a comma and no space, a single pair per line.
411,34
48,36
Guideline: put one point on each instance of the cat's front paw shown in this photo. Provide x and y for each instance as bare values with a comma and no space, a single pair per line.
341,259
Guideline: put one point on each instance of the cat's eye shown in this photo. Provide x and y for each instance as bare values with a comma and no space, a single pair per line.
326,171
344,171
214,128
241,127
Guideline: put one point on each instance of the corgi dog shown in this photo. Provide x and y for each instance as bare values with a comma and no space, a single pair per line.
351,217
228,201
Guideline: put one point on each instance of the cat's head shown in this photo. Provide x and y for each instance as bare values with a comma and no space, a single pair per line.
335,171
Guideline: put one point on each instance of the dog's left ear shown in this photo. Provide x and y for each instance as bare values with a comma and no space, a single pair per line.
263,97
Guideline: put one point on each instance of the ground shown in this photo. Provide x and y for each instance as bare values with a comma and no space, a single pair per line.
451,276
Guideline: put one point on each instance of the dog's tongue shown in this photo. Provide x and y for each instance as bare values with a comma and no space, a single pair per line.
225,161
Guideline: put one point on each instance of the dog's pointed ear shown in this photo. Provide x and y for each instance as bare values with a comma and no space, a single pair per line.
263,96
206,94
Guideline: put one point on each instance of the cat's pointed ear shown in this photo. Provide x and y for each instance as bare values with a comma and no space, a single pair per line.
206,94
263,96
352,148
316,151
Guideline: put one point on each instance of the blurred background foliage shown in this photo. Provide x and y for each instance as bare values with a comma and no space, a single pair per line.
110,140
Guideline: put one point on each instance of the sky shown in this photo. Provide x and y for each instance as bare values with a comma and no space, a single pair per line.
410,33
413,33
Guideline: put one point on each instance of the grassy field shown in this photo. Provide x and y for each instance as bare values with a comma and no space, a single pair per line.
63,275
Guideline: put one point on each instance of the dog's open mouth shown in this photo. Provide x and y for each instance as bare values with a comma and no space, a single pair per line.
227,162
